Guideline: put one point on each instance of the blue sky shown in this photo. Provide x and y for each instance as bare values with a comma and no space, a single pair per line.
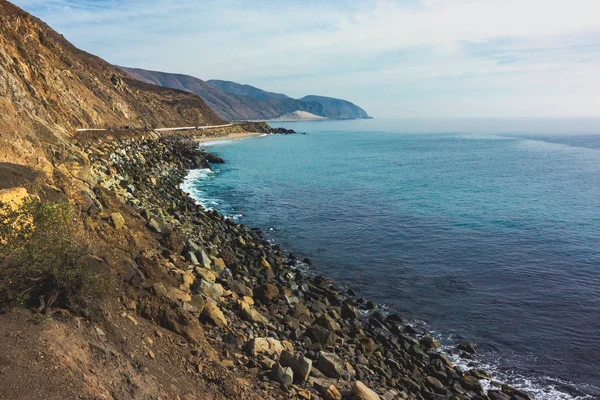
395,58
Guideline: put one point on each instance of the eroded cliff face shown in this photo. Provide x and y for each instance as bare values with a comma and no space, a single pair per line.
49,88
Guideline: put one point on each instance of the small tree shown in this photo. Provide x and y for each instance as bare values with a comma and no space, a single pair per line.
41,251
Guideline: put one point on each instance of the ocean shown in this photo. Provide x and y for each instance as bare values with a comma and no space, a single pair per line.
480,230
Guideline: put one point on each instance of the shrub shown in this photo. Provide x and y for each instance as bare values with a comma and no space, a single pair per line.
42,248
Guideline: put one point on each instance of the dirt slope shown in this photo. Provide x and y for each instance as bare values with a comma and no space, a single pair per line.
49,88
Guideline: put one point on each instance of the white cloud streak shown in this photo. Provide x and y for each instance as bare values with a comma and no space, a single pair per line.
493,55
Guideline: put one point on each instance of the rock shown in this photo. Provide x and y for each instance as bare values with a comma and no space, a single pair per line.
241,289
498,395
267,293
191,257
302,313
435,384
321,335
467,347
330,364
332,393
428,342
361,392
478,373
328,323
264,263
154,225
206,261
199,303
159,289
350,312
210,289
299,364
268,346
174,240
472,383
172,293
188,279
13,197
285,376
117,220
213,313
206,274
250,314
219,264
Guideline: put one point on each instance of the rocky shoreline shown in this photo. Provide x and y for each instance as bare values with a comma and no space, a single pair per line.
296,335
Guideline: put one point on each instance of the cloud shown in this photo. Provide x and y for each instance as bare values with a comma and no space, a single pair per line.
377,53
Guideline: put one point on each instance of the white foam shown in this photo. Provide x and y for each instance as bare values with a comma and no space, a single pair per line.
538,387
215,142
191,185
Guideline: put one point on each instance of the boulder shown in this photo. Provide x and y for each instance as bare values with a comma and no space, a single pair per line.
210,289
206,274
206,261
250,314
321,335
214,314
333,393
350,312
467,347
362,392
13,197
241,289
198,302
267,293
435,384
188,279
330,364
498,395
117,220
172,293
299,364
302,313
472,383
283,375
427,342
267,346
191,257
219,264
328,323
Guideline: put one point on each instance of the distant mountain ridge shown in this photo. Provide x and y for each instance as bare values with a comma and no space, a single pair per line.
233,101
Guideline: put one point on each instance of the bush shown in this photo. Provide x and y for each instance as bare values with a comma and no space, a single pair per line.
42,248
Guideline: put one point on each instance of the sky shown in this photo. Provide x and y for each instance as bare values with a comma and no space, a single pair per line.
394,58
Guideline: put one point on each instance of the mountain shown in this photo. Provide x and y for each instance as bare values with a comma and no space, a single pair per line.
322,106
246,90
233,101
337,108
49,88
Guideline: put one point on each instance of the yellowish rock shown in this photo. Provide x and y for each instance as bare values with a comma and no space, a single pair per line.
176,294
362,392
13,197
264,263
188,279
333,393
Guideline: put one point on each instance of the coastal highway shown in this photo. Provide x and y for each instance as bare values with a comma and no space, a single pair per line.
181,128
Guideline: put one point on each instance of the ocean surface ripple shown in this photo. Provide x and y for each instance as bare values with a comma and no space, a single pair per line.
483,233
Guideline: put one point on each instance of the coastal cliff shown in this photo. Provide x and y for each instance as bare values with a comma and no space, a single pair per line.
140,293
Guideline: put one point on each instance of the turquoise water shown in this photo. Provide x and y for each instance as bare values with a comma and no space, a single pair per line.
484,230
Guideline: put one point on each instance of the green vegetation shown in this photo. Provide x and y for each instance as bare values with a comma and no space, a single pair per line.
42,257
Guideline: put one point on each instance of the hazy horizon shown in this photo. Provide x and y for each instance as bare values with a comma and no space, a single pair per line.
394,58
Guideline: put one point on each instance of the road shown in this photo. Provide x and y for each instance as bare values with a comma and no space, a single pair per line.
181,128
